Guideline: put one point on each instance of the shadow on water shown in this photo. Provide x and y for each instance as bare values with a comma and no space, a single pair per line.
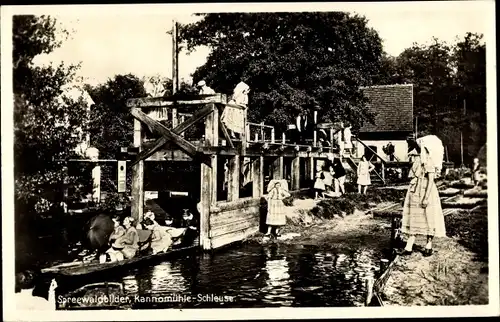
254,276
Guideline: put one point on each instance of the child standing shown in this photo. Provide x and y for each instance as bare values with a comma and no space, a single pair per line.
319,184
364,169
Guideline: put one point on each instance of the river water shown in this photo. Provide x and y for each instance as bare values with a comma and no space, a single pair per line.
253,275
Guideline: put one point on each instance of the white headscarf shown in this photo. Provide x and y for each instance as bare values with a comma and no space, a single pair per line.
431,152
239,95
272,183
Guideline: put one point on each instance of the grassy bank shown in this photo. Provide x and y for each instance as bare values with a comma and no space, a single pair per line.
457,272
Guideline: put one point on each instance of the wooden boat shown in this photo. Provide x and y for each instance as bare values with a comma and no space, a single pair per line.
82,269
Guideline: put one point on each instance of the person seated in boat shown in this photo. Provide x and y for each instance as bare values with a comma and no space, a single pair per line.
119,230
160,240
25,297
126,246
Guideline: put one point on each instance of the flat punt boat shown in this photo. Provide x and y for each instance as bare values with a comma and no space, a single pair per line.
75,269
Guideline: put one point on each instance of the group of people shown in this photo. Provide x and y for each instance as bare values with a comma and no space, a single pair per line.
330,178
128,240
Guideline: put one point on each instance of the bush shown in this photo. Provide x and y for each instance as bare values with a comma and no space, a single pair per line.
346,204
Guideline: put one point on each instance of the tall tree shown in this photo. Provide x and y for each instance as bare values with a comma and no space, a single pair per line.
46,121
292,61
469,57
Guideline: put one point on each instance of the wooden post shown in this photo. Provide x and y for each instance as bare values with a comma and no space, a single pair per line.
384,263
208,179
369,290
175,59
283,138
331,139
383,171
244,136
256,137
183,118
272,135
315,135
175,120
310,167
258,177
233,191
96,183
262,130
137,206
295,185
278,168
175,69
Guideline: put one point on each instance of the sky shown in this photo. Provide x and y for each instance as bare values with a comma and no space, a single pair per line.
115,40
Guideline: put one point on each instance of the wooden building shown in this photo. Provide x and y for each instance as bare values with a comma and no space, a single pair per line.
392,106
229,217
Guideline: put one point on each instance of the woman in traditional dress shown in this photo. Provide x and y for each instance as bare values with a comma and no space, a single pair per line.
364,169
129,241
276,217
234,117
319,184
422,212
160,239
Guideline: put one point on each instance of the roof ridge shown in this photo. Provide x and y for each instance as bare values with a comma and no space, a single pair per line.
385,86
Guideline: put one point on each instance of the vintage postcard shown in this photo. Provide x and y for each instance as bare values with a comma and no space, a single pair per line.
233,161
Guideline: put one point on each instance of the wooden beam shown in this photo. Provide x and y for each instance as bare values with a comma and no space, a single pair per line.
295,185
234,178
186,146
258,177
197,116
226,134
169,101
137,206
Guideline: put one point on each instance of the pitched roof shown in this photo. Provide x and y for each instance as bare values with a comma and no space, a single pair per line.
392,106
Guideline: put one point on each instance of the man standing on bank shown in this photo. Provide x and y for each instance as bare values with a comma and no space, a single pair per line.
422,212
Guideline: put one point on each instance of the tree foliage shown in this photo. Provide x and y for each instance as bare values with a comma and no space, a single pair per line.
293,62
46,121
449,92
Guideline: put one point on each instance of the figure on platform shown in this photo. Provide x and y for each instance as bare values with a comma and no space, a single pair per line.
364,169
339,174
24,298
347,138
160,240
203,88
276,214
234,117
340,139
422,212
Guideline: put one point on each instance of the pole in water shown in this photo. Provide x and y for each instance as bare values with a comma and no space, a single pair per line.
175,58
369,290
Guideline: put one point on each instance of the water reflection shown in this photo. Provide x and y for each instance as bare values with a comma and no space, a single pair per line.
278,282
261,276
